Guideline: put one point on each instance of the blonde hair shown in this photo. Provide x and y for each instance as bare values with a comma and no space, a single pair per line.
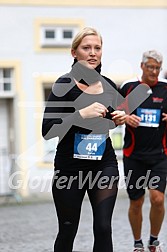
83,33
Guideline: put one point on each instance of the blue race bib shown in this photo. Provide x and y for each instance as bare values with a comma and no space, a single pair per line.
149,117
90,146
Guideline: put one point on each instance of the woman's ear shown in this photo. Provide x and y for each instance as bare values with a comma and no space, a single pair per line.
73,53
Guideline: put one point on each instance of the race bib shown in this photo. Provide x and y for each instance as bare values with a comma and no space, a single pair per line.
149,117
90,146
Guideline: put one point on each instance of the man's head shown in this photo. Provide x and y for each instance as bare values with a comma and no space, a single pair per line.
151,66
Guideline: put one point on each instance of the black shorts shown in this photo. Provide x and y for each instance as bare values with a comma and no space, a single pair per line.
140,175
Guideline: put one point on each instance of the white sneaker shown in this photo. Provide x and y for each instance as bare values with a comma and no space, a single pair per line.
155,247
138,248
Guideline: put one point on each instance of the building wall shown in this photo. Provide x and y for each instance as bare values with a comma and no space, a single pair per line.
128,28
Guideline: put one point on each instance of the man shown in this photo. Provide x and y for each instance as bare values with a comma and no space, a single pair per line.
145,151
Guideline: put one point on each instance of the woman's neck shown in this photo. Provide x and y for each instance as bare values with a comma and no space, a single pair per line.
94,88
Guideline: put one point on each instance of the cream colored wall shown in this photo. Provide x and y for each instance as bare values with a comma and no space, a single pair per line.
20,120
39,97
116,3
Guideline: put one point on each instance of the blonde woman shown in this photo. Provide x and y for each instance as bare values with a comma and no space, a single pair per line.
85,160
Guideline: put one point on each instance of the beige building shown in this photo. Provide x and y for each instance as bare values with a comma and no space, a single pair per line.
35,50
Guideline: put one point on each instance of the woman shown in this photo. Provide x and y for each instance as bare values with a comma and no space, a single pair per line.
81,110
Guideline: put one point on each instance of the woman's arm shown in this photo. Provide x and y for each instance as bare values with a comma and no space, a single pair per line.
58,116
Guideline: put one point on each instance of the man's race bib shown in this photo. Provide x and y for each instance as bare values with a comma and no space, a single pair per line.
149,117
90,146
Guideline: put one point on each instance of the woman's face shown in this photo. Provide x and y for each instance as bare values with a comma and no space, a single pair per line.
89,50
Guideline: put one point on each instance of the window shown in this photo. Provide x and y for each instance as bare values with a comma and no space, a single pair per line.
47,91
49,34
49,145
57,36
6,80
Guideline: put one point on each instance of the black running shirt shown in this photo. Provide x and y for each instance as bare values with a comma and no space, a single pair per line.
62,119
149,140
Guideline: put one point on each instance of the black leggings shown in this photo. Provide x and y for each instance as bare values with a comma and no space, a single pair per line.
68,199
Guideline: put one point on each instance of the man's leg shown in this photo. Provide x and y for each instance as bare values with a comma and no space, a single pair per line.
135,217
157,211
134,170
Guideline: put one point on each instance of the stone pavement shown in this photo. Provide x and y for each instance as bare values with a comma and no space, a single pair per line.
32,227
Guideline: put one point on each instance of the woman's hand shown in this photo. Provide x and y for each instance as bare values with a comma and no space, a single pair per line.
133,120
118,117
94,110
164,117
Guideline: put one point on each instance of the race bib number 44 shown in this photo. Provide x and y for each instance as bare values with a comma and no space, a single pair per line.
90,146
149,117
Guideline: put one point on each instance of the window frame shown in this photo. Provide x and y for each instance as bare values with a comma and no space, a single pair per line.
43,44
58,40
5,80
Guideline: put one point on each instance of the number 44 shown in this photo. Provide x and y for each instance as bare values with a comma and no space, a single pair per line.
91,147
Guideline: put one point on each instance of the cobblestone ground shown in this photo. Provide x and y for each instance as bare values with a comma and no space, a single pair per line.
32,227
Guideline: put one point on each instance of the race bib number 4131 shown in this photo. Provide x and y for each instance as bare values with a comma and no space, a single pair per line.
90,146
149,117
